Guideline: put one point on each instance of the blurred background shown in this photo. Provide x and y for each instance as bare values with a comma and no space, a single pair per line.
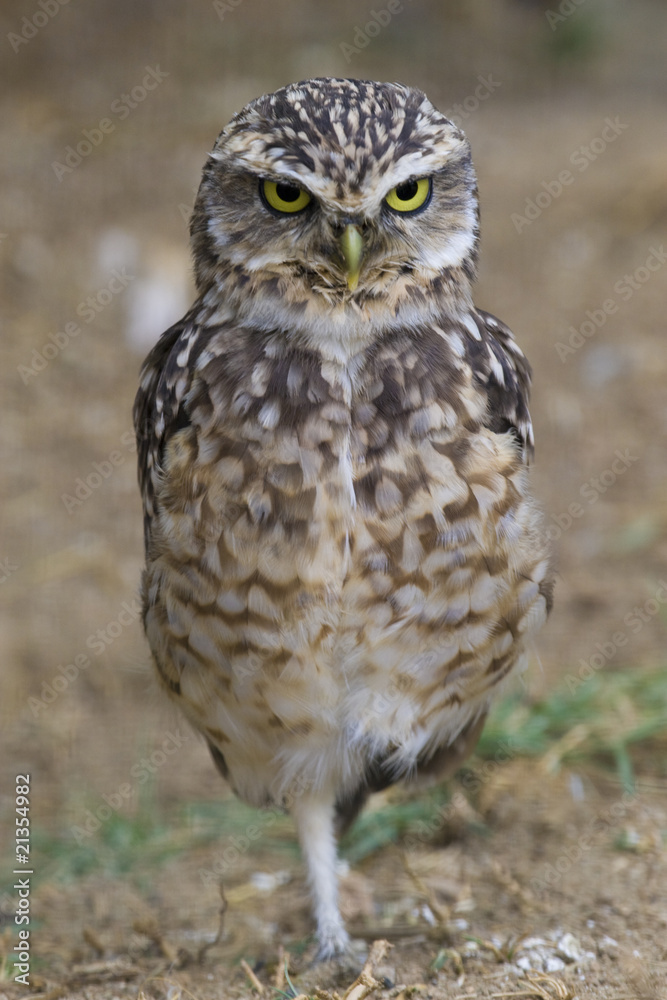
108,110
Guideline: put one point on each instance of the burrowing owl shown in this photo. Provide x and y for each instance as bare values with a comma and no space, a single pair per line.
343,557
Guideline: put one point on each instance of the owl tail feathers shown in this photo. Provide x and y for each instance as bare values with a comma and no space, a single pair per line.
315,822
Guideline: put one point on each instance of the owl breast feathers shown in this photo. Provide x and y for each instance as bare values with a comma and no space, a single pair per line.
343,560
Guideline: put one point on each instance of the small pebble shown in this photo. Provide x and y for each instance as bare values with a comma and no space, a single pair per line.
268,881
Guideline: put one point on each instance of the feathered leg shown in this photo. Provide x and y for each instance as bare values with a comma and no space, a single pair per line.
315,819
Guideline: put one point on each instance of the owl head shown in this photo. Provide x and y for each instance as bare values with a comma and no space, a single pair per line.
337,197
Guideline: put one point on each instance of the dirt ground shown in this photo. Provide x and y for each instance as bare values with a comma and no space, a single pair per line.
540,875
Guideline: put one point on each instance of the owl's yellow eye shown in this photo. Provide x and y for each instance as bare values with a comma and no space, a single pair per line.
410,195
284,197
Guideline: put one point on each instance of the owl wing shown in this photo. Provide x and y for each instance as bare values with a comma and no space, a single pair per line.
503,375
158,407
501,368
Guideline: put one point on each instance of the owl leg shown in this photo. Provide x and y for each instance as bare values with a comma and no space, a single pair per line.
315,819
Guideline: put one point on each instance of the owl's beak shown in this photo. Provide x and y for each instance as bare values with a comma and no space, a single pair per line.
352,247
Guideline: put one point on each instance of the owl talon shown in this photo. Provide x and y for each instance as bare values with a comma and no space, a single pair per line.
333,944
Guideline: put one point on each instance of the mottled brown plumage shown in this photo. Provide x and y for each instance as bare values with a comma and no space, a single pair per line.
343,557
